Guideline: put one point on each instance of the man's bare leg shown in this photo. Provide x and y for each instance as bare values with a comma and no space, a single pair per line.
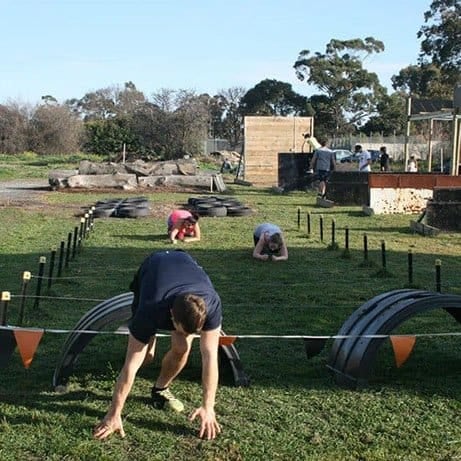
175,359
150,352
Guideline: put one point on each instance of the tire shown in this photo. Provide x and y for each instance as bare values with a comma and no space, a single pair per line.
231,203
203,206
218,211
133,211
239,211
192,201
108,202
203,212
104,211
136,201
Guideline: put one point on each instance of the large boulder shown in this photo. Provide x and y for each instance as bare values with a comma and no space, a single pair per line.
208,181
58,178
117,181
86,167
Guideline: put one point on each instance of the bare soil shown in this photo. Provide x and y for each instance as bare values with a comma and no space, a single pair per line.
30,193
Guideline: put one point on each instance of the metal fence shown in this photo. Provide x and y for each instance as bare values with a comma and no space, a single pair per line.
395,145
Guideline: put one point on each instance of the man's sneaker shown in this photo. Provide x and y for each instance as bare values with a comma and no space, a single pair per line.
164,398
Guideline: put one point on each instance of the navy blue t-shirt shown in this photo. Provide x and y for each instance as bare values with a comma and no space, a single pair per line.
163,276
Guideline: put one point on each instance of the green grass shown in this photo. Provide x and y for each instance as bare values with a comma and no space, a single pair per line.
293,408
32,165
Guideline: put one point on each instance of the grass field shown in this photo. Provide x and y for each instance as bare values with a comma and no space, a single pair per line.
293,409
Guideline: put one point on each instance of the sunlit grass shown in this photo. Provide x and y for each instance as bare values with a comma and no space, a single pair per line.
293,409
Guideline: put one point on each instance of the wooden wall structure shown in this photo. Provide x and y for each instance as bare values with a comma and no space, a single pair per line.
266,137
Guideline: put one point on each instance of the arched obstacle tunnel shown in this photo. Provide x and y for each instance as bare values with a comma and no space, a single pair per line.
351,358
117,310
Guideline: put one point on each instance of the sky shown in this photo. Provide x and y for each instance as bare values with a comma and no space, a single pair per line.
67,48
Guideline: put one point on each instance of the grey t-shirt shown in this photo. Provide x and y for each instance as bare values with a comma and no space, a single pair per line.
323,159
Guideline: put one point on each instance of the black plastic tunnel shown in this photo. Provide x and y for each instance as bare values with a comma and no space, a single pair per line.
117,310
351,358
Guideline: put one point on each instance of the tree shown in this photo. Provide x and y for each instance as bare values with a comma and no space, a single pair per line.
107,137
439,63
107,103
14,123
175,123
351,91
227,116
54,129
442,38
391,118
324,111
424,80
273,97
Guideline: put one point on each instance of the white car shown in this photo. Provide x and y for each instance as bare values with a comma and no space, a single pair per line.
343,155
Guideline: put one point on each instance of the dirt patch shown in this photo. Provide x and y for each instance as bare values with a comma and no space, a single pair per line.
30,195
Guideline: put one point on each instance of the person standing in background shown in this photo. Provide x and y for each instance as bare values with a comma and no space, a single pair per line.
323,163
364,159
384,159
412,165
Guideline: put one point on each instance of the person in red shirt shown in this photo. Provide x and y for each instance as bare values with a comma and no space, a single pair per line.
183,225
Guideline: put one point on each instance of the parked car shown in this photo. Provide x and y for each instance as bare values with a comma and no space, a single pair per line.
375,154
343,155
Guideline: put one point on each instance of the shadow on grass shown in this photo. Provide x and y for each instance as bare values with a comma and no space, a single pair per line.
312,293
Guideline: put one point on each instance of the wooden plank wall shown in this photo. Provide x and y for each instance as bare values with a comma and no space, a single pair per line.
265,138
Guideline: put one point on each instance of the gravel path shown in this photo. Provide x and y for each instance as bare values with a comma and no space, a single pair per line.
23,190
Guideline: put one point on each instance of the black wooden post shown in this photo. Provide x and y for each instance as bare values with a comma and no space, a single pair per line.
321,227
81,233
333,232
91,213
61,257
383,254
74,242
308,217
6,296
41,271
69,248
51,270
365,247
299,218
438,283
410,267
26,276
346,237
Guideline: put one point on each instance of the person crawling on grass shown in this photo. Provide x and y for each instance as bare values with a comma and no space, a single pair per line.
183,225
171,292
269,243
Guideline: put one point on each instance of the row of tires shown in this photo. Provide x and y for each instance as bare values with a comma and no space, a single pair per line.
217,206
132,207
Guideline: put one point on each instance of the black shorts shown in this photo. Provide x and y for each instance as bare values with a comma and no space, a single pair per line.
323,175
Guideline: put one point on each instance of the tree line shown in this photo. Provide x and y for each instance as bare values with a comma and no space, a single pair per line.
171,123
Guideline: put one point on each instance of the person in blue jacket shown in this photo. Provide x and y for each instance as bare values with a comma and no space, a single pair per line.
171,292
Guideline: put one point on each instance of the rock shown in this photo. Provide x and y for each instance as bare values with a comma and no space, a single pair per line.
208,181
86,168
58,178
117,181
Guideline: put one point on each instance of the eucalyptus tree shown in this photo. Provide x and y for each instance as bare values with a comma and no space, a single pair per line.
351,92
273,97
438,68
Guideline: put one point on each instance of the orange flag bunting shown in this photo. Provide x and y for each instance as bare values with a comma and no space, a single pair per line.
227,340
28,341
402,345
